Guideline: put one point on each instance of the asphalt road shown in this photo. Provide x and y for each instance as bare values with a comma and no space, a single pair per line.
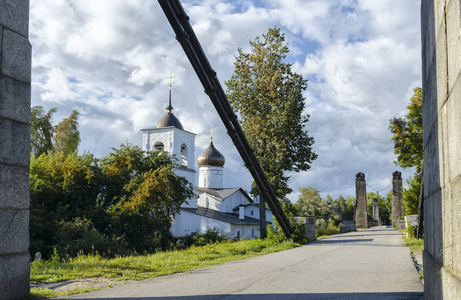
367,264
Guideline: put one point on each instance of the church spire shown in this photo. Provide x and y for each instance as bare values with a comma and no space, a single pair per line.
169,108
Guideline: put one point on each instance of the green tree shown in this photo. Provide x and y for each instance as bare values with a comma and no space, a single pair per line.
41,130
408,134
408,145
310,204
67,135
269,97
142,194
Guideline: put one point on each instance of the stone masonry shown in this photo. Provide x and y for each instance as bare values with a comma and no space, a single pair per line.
360,214
15,65
397,204
376,210
441,60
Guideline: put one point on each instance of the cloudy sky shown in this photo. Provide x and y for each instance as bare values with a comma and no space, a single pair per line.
109,59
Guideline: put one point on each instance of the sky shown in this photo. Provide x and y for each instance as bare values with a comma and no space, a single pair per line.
110,59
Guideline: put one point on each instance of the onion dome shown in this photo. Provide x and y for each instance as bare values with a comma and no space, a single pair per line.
211,157
169,119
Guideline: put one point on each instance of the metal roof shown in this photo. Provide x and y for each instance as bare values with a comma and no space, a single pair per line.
225,217
223,193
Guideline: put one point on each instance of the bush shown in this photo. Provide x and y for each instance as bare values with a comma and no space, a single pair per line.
80,237
201,239
412,231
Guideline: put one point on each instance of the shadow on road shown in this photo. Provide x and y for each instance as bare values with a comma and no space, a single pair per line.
341,296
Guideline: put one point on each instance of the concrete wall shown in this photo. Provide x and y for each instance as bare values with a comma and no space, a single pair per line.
441,57
309,226
15,65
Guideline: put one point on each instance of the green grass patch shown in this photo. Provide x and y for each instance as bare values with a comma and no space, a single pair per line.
149,266
415,245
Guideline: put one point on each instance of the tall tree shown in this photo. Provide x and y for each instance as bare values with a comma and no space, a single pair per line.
408,133
41,130
408,145
269,97
67,135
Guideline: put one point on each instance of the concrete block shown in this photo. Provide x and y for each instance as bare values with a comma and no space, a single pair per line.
454,244
14,276
431,164
432,277
453,149
15,16
442,127
14,187
15,146
14,231
427,36
15,99
440,62
16,56
447,238
453,42
437,223
428,224
451,285
430,106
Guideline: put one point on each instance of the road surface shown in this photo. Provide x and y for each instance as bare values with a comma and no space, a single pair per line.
367,264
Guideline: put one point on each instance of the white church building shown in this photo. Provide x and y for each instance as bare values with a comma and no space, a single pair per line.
231,210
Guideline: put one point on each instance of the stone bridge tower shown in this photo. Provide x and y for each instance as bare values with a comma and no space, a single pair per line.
397,204
360,214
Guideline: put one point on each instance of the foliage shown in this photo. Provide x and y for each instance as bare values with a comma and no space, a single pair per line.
41,130
410,194
152,265
310,204
201,239
122,203
329,229
67,135
384,207
268,96
408,144
408,133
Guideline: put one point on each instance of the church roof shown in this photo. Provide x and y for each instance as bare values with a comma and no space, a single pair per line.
224,217
169,120
211,157
223,193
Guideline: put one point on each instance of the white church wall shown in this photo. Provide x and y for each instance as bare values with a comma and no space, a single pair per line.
255,209
210,202
185,223
209,223
245,231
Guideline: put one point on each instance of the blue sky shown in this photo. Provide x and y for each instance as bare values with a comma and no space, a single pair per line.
109,60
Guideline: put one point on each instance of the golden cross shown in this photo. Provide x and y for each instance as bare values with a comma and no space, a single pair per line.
170,77
211,131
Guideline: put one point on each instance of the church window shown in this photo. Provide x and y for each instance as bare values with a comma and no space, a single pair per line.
159,146
251,213
238,235
184,155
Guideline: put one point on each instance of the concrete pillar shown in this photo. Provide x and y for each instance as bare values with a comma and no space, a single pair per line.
441,48
15,65
376,210
360,215
397,204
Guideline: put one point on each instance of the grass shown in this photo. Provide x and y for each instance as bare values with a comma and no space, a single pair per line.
149,266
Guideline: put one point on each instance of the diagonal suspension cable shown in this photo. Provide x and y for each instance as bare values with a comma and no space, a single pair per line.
185,35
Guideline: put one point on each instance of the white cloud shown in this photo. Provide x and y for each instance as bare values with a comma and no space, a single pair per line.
109,60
